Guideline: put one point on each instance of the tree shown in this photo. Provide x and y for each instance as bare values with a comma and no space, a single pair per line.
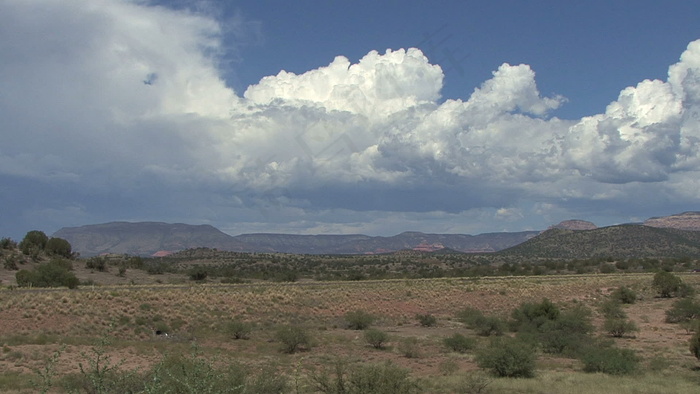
33,242
58,247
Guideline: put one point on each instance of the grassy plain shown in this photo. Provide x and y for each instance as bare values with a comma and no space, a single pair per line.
37,323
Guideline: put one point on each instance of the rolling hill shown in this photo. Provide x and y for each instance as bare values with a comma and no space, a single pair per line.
615,241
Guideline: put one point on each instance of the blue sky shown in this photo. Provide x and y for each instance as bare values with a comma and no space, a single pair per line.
317,117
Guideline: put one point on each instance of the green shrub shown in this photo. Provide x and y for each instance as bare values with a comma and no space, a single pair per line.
376,338
490,326
58,247
473,383
694,345
96,263
194,374
610,360
358,320
10,263
470,316
238,329
198,273
384,378
508,357
618,327
426,320
55,273
566,335
612,309
532,315
459,343
683,310
625,295
293,339
666,283
409,347
7,244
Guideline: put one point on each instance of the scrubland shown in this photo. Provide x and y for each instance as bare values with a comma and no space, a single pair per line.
109,338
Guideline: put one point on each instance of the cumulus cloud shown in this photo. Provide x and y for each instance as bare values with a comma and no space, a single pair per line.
126,101
649,132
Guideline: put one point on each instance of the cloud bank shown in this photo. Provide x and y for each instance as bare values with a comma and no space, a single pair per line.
118,109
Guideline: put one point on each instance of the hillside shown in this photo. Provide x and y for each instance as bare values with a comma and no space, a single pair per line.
637,241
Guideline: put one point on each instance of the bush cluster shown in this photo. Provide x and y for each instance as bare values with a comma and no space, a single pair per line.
55,273
459,343
669,285
385,378
482,324
508,357
610,360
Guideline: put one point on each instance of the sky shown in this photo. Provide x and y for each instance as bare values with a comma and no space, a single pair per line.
329,117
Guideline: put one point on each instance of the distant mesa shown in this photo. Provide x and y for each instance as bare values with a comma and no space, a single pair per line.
162,253
425,247
575,225
158,239
689,221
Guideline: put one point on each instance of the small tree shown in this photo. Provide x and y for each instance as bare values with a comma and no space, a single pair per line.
359,320
238,329
619,327
293,338
376,338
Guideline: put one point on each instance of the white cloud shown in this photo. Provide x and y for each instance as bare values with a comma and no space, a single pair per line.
651,131
126,101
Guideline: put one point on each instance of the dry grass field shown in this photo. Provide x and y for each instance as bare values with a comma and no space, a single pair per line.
36,324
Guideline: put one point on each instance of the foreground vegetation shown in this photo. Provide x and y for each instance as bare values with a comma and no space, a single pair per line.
120,331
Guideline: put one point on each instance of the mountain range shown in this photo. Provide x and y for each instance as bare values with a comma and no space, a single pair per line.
158,239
